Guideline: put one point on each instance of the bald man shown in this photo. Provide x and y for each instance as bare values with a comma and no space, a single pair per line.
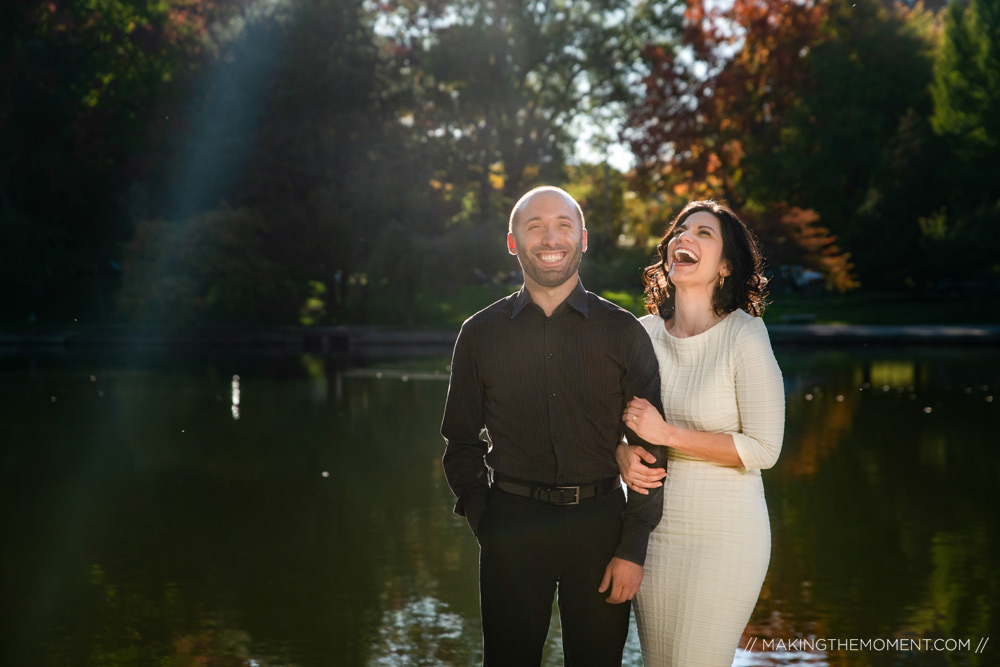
547,373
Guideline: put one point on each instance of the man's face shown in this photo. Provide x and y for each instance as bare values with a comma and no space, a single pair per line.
548,239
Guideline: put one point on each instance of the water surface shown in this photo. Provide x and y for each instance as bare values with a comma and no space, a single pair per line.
255,510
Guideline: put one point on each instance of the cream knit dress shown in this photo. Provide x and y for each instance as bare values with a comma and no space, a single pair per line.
707,559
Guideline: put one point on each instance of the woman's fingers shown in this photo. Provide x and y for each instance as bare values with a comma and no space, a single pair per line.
639,477
638,489
639,470
636,486
636,468
641,452
640,486
646,475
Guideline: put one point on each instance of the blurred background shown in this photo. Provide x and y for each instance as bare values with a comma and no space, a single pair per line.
200,162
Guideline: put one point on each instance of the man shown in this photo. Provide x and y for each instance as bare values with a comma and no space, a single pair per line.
547,372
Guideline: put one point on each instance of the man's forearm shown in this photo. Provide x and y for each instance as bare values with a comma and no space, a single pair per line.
642,514
642,511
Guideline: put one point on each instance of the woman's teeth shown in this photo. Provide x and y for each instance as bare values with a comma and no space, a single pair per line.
682,256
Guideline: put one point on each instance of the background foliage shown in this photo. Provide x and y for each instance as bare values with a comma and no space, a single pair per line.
181,162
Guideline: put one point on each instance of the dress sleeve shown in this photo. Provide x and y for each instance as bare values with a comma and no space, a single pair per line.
464,457
760,396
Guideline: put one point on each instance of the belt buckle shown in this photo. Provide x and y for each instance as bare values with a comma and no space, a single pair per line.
576,494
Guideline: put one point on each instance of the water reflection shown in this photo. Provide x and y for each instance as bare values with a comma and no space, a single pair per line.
867,488
235,397
145,523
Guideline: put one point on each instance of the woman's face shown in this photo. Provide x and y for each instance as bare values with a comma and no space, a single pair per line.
694,252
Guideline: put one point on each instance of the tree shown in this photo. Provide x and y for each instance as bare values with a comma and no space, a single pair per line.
865,70
859,148
966,92
214,269
91,93
497,84
791,106
295,122
966,86
715,108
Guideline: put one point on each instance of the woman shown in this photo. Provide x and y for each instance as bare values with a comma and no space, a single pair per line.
724,405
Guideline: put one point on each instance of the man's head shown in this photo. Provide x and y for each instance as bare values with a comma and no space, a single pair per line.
548,235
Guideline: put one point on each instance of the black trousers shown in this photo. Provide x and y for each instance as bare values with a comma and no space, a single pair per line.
528,551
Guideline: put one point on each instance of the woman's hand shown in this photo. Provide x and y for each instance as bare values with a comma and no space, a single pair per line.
645,421
638,477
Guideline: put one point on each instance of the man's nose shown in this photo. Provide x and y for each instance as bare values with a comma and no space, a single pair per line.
551,235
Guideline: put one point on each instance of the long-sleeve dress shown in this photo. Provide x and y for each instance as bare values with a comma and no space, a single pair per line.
706,560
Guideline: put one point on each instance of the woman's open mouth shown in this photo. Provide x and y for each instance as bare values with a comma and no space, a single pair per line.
684,257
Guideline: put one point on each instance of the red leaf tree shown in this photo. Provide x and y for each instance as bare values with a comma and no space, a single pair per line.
722,94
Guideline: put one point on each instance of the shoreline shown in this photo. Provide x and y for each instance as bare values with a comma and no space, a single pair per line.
371,339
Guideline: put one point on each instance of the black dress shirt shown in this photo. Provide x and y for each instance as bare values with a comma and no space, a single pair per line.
550,392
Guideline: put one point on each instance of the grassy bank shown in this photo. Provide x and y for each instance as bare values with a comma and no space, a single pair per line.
863,308
449,311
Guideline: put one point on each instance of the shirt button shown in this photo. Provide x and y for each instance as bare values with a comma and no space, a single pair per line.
552,395
548,356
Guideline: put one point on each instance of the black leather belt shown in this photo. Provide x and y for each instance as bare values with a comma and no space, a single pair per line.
555,495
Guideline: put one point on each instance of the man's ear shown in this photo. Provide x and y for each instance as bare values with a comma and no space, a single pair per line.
511,244
585,239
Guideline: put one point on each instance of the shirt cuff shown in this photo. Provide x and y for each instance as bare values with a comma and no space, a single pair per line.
633,544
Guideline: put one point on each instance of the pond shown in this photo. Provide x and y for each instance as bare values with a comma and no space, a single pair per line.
181,509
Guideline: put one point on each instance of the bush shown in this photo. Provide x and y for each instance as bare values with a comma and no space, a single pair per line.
211,269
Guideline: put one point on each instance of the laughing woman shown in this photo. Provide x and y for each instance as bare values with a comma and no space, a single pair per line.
724,409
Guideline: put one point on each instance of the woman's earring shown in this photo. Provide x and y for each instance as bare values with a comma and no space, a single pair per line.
722,280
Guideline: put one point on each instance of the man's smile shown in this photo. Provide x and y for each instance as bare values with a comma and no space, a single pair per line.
551,256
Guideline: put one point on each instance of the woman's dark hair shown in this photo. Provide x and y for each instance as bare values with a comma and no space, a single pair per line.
744,288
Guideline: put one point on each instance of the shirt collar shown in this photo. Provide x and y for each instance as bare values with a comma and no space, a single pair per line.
577,299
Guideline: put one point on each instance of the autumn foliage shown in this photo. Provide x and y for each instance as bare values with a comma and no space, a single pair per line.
723,96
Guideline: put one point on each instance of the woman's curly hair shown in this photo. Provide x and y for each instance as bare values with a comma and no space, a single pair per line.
744,288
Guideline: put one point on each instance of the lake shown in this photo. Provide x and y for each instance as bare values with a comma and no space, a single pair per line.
250,509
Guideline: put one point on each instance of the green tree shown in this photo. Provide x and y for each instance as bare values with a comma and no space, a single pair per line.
211,269
860,146
866,68
966,85
496,85
91,90
966,92
296,122
622,227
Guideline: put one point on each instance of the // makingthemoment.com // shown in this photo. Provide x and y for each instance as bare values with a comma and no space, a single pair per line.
898,644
